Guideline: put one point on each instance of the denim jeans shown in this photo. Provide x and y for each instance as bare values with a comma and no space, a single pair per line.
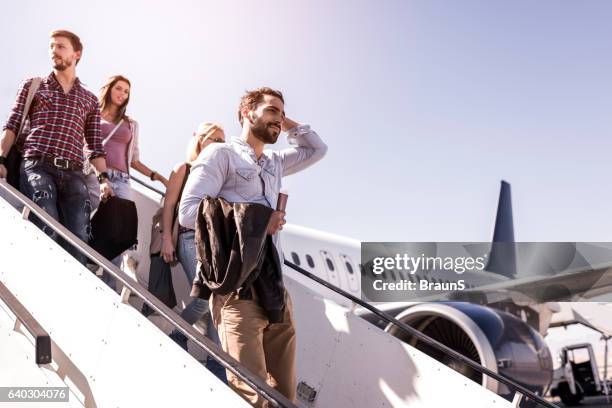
93,187
186,253
63,195
120,182
197,308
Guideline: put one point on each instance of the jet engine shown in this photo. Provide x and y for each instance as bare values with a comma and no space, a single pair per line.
495,339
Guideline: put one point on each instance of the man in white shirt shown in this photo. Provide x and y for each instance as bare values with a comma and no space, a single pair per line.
242,172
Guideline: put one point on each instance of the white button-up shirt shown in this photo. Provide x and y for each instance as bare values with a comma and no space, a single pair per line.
232,171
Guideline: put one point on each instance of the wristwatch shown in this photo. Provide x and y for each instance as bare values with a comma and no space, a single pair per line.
2,160
102,176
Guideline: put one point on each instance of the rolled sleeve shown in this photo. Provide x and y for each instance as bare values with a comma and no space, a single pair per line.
309,149
16,114
206,178
93,134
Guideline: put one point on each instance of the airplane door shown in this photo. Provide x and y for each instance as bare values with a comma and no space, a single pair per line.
330,266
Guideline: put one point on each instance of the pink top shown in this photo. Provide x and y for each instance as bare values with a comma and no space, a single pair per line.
117,147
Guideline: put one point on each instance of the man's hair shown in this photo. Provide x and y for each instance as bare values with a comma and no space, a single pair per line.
74,39
251,99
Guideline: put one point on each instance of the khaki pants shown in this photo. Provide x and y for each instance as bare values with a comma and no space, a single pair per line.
267,350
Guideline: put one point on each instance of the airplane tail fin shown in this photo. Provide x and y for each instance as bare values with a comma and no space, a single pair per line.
502,259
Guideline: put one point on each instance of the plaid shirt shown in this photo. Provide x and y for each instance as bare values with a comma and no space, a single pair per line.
60,123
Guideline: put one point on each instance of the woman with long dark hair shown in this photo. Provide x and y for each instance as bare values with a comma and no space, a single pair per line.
120,134
120,140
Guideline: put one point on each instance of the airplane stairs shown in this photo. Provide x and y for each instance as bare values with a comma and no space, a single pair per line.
109,355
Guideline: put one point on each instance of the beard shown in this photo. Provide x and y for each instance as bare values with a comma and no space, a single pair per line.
264,131
61,64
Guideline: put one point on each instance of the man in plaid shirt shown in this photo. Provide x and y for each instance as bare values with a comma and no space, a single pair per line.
64,119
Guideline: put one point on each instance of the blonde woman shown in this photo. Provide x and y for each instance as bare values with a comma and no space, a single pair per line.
185,251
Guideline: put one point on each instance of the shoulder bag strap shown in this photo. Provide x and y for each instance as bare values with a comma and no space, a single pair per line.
187,170
87,167
105,141
34,85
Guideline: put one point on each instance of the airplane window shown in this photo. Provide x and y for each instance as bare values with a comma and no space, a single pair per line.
296,258
349,267
330,264
310,261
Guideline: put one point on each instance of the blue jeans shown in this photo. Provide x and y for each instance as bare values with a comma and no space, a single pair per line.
186,254
120,182
93,187
197,308
63,195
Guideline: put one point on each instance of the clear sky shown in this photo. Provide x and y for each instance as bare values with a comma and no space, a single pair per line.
425,105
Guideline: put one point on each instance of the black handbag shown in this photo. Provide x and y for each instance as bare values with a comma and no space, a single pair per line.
160,284
12,164
114,227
